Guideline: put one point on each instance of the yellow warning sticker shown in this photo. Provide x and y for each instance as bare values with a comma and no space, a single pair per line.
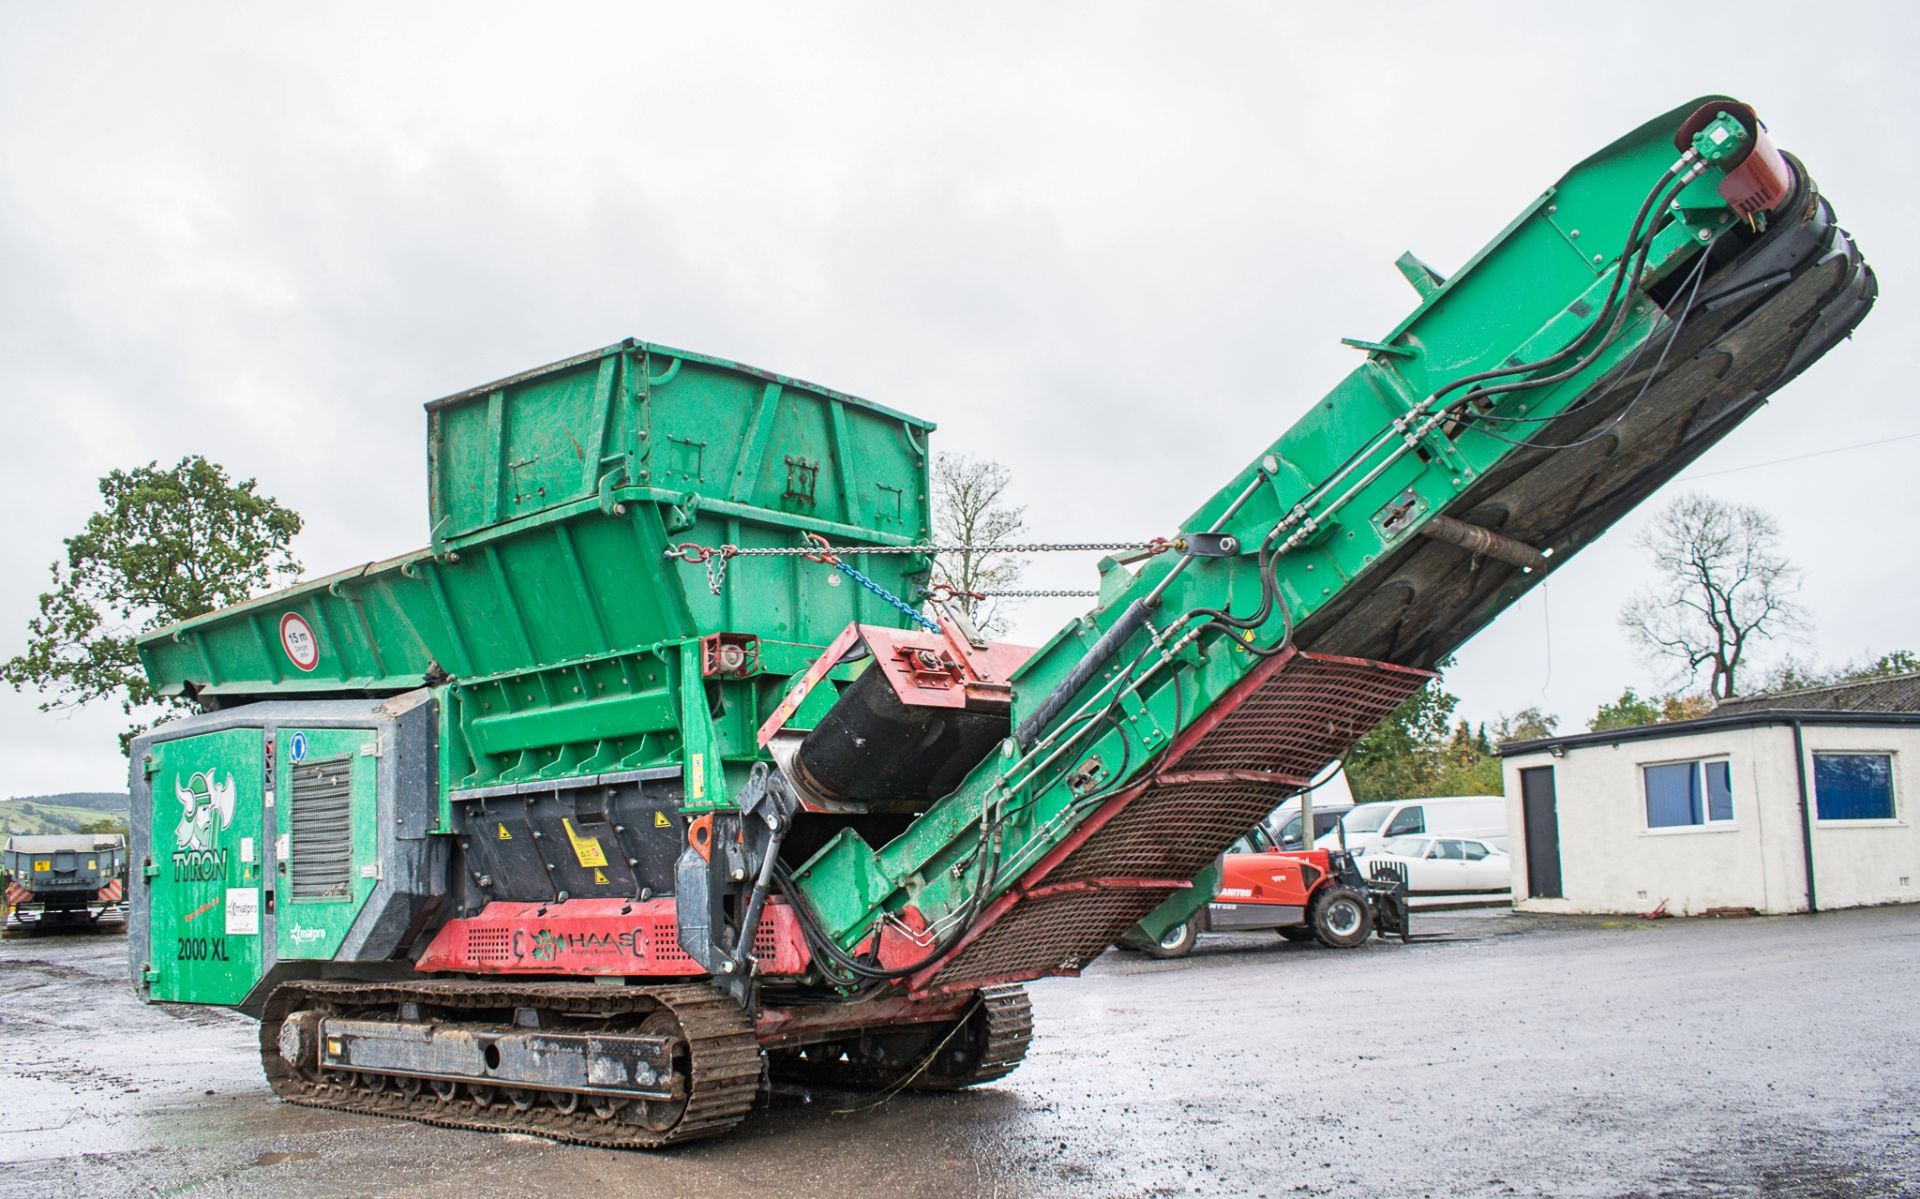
504,835
43,863
586,849
697,776
600,876
660,820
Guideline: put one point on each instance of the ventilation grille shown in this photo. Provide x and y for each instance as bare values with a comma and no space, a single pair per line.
489,944
322,819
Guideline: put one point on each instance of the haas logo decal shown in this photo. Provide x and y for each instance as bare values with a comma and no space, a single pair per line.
202,797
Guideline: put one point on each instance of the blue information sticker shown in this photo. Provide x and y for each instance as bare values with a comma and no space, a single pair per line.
297,748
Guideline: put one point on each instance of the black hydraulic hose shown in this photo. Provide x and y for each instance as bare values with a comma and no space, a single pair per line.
1634,239
756,904
1094,661
1699,272
1632,265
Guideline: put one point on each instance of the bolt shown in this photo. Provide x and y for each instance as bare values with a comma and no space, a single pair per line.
1596,259
619,509
727,967
1575,235
1552,208
1706,235
563,897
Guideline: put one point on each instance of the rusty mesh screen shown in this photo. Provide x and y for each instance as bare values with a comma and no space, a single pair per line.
1308,711
1303,716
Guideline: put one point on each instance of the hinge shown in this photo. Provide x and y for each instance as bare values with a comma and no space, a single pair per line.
149,975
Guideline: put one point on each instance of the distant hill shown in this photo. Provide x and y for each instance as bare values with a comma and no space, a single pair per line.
111,802
63,813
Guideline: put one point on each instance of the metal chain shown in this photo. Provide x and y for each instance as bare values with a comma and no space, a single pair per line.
715,558
691,552
889,597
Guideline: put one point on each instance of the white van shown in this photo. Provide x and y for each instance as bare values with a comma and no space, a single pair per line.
1367,825
1331,797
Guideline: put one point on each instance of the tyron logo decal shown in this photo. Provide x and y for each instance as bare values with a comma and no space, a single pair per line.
202,798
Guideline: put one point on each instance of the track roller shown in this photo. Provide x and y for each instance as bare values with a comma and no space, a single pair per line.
989,1042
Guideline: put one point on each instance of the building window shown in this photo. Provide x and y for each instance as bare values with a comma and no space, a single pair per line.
1684,794
1853,786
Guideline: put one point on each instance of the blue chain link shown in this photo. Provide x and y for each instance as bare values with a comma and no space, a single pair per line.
905,609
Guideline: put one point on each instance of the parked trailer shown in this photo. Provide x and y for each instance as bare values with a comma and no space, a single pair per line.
65,882
659,705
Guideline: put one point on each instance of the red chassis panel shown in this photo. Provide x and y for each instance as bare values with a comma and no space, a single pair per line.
597,937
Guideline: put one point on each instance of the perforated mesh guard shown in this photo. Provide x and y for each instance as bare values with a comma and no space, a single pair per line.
1287,720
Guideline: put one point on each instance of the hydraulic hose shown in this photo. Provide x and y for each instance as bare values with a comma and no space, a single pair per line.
1092,663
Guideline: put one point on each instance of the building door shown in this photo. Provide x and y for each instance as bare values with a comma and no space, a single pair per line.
1542,832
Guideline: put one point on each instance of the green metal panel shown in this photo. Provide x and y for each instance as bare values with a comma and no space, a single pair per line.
312,927
205,911
700,427
547,601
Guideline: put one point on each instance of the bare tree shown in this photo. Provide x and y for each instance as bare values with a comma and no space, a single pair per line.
1724,584
970,508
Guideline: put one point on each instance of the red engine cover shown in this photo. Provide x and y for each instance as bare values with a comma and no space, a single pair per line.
597,937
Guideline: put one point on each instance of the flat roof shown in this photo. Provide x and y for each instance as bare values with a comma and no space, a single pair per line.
1708,724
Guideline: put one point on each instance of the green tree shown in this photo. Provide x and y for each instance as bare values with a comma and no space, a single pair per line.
167,545
1402,755
1630,711
1793,673
1528,724
1423,750
106,825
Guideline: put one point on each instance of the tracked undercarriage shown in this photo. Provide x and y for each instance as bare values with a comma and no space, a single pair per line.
617,1067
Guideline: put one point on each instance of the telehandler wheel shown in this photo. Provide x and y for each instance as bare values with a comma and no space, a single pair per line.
1341,917
1178,942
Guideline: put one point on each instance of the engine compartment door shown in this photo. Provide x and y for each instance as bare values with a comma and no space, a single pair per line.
325,865
204,874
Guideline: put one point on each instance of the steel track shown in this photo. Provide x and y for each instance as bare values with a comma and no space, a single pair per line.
994,1048
721,1078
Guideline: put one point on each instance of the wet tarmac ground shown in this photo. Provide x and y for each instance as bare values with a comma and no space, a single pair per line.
1513,1056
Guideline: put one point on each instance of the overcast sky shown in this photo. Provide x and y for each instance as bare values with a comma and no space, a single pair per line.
1114,246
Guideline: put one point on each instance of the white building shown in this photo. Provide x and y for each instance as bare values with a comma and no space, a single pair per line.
1789,802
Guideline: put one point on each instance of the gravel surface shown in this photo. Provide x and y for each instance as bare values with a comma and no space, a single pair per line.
1508,1055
